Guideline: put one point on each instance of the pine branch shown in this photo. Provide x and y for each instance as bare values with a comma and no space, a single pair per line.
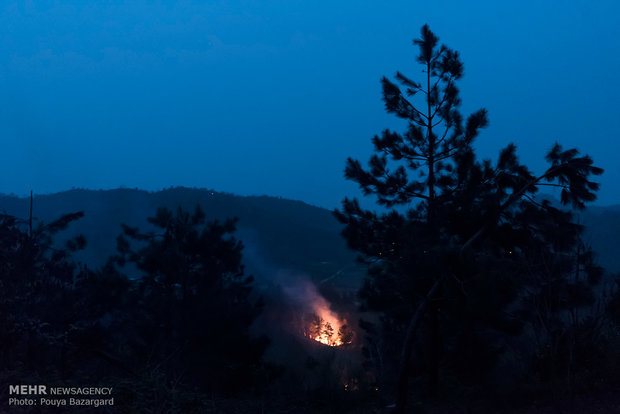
531,200
445,134
416,157
443,100
417,195
449,153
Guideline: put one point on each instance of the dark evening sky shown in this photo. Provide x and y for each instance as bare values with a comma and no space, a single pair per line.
271,96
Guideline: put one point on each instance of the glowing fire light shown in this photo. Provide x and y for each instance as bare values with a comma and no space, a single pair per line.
325,327
318,322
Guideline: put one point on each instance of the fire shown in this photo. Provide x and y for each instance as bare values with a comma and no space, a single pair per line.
318,322
325,327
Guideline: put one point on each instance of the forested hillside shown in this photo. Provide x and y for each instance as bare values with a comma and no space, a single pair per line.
277,233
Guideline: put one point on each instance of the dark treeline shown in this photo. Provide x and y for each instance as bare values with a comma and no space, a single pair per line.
478,297
183,325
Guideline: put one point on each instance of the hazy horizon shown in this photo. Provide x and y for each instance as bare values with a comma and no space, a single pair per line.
366,202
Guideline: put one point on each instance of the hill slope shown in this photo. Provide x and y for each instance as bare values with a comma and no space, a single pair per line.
277,233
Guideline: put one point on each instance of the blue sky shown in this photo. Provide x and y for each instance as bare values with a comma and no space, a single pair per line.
271,97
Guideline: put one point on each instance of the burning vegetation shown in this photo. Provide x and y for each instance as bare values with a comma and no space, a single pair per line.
326,328
315,320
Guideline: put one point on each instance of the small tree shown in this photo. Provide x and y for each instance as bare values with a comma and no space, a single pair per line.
447,214
196,298
558,302
37,281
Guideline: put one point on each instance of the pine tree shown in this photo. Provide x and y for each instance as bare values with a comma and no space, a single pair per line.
446,214
37,289
196,297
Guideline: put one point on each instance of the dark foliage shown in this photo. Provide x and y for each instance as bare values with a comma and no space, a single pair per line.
37,284
450,253
179,332
195,306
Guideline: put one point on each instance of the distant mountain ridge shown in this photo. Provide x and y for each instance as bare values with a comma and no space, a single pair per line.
277,233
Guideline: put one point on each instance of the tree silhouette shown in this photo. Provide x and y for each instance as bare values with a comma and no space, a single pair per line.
448,216
556,301
196,298
37,280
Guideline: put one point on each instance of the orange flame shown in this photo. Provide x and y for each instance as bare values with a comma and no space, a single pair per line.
318,321
325,327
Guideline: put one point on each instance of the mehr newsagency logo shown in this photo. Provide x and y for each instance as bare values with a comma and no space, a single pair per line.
43,395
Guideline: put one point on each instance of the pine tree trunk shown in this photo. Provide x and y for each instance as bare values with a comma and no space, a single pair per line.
435,351
402,387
